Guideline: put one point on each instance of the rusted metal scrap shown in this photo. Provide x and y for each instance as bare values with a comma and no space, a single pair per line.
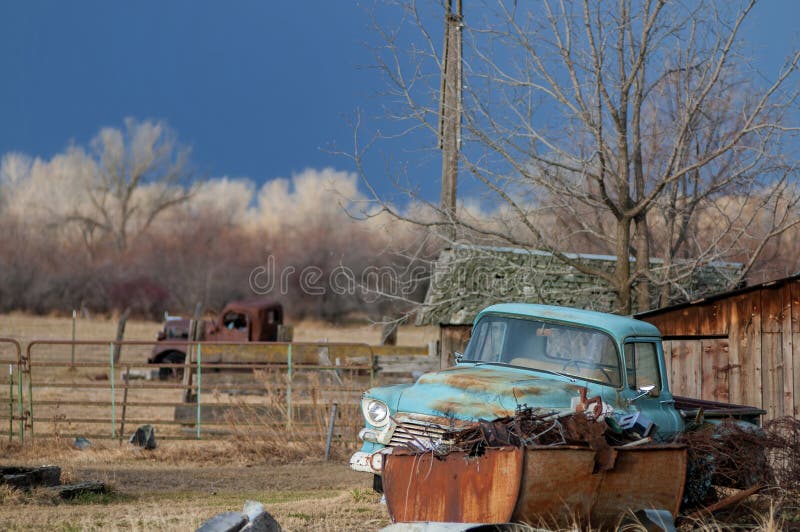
581,429
531,427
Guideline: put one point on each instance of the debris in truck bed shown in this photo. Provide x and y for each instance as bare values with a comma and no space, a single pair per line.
536,427
529,426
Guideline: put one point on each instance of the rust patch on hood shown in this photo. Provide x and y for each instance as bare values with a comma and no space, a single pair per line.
476,409
478,380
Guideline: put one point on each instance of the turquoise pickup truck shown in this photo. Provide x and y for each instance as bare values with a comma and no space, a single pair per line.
539,356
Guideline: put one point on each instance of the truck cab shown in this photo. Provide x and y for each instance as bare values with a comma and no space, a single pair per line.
540,356
254,320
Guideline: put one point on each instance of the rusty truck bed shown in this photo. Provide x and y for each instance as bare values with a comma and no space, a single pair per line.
557,485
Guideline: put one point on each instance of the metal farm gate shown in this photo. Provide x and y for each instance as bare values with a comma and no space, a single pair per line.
106,389
12,407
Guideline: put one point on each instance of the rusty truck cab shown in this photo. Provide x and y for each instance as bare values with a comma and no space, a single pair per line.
254,320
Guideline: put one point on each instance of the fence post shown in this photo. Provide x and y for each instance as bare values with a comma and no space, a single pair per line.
199,377
30,395
113,404
21,405
74,317
330,431
10,403
126,381
289,386
123,319
187,363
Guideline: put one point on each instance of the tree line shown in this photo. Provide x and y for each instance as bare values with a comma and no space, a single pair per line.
127,223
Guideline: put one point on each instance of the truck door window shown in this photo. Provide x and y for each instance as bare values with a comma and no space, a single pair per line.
641,365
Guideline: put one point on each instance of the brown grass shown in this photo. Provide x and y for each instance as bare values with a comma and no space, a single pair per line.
309,510
771,511
275,438
25,327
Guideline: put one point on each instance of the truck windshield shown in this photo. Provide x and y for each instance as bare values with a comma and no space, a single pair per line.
576,351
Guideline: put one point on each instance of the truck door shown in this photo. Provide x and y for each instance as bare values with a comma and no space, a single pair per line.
644,367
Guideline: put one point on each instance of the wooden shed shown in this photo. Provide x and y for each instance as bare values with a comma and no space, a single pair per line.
467,278
741,346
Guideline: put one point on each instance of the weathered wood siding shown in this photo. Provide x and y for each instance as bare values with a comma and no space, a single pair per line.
743,348
452,338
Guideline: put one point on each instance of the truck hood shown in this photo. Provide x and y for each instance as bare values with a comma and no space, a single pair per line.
488,392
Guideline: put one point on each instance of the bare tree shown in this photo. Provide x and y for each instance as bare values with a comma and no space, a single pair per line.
140,172
621,124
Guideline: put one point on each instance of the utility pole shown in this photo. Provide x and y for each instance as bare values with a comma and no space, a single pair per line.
450,108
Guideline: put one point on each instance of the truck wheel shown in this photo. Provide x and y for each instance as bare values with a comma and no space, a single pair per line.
172,357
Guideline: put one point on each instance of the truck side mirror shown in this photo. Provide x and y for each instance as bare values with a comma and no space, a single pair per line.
649,390
160,336
458,356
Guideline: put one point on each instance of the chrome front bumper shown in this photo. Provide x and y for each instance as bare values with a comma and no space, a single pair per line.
369,462
404,429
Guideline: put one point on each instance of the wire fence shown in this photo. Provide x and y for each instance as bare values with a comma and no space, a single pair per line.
106,389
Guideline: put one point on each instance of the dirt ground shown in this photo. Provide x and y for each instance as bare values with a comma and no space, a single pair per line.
181,484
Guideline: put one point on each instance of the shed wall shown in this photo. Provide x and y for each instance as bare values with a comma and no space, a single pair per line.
744,348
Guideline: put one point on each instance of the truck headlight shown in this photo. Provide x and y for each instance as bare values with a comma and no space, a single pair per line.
376,412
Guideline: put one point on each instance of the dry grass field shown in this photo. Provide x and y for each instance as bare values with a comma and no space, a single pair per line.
182,483
24,327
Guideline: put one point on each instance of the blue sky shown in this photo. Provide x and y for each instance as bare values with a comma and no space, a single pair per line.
258,89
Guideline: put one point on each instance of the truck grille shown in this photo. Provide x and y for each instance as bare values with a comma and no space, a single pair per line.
417,432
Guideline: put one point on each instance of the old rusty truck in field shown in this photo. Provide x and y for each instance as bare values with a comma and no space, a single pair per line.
494,438
254,320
